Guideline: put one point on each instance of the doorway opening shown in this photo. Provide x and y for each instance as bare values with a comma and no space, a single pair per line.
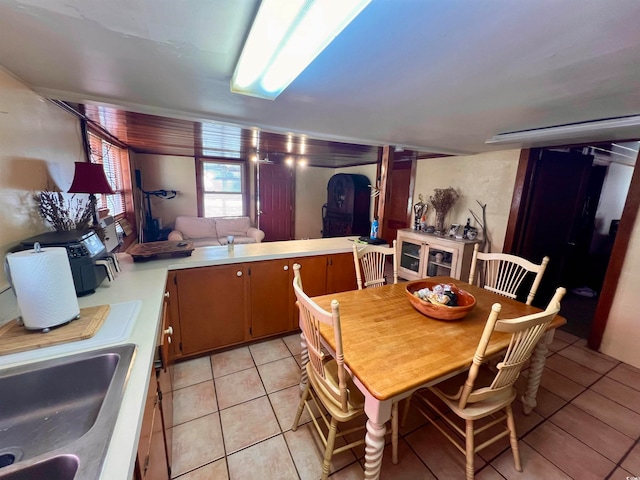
572,201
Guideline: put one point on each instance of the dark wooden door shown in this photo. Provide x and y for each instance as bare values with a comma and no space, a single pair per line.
397,211
552,214
275,201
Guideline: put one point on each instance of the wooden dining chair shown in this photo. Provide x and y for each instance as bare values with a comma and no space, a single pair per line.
370,262
328,384
472,402
503,273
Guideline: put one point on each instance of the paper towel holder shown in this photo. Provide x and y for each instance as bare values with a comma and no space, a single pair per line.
37,249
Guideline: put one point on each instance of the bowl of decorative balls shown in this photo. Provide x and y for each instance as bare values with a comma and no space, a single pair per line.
440,301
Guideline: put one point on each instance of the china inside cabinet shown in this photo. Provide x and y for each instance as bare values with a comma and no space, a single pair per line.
424,255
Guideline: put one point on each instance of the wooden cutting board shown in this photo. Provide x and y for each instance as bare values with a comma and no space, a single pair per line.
15,338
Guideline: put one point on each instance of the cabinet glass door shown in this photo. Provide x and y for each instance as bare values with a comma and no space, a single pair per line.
439,262
410,255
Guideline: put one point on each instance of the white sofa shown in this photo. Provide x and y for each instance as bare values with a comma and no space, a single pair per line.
208,231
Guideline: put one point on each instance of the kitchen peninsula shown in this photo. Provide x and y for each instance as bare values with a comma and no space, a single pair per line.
330,259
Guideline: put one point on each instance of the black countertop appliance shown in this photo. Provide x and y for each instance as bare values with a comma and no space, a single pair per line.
84,248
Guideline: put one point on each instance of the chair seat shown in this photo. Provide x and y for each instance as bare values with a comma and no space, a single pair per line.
474,411
355,402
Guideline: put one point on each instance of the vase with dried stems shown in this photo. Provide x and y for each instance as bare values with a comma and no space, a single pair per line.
63,213
442,200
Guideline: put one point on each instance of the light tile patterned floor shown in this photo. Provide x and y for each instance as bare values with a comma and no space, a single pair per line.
233,413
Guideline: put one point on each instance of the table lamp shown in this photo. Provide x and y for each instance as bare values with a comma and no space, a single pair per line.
90,178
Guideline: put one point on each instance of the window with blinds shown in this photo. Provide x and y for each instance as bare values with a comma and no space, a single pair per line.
222,188
112,158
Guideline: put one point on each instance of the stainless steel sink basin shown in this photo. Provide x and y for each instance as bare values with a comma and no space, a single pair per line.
57,412
61,467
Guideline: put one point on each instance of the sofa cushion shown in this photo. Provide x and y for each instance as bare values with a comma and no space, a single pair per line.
236,226
196,227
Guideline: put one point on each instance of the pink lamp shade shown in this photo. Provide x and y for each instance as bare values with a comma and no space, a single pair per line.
90,178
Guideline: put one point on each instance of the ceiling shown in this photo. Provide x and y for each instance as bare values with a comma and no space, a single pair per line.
430,77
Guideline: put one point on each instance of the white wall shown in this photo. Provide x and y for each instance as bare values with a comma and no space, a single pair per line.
311,194
165,172
614,193
39,144
487,177
622,335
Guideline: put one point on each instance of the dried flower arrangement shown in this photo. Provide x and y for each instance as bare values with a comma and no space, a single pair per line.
442,200
63,214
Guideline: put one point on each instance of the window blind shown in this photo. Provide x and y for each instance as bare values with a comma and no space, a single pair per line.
111,157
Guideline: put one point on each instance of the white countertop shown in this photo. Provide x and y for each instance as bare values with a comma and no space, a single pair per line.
143,284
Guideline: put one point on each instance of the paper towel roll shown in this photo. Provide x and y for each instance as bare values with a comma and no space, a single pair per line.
44,287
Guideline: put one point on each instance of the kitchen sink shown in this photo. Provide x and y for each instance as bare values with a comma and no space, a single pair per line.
57,416
60,467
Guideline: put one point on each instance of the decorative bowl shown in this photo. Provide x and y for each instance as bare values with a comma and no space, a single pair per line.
466,301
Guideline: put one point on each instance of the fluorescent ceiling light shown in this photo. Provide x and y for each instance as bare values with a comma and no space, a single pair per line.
566,132
285,37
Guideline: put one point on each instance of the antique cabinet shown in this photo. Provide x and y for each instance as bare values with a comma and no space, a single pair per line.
347,209
422,255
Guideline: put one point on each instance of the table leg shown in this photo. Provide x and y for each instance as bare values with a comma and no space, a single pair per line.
304,359
374,449
378,414
536,367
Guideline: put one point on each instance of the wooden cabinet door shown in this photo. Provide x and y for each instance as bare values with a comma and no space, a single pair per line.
213,307
314,274
158,468
151,462
144,442
270,293
165,389
440,260
341,273
314,280
411,256
172,349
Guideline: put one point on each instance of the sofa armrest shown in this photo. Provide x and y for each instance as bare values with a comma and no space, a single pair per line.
256,234
175,236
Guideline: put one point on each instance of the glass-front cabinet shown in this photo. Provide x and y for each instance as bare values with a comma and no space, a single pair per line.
424,255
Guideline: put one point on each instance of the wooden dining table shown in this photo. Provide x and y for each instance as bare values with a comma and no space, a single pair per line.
392,350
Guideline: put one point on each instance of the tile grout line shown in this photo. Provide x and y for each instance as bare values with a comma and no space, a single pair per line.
624,457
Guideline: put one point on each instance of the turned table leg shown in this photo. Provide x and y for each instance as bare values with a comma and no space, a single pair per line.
374,449
536,367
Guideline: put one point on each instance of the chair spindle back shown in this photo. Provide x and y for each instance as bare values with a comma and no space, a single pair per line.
503,273
370,264
311,317
526,332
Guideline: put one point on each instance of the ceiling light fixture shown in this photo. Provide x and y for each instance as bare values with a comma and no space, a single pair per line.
285,38
571,131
